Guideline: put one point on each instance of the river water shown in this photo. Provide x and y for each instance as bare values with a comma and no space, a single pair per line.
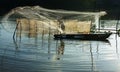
44,54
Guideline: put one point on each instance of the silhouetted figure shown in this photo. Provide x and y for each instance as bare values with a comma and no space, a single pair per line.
61,24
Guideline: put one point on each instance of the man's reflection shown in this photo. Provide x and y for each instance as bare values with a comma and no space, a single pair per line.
60,50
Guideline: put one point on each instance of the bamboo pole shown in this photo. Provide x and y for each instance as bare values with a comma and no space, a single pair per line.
42,34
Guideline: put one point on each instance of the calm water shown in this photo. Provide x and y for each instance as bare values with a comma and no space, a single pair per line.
44,54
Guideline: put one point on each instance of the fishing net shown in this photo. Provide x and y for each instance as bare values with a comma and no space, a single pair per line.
56,20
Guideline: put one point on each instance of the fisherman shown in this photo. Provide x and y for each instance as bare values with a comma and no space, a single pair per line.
61,24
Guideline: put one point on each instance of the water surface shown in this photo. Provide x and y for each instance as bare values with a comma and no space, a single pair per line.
44,54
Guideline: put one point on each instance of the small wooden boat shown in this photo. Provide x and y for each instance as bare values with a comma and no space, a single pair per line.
94,36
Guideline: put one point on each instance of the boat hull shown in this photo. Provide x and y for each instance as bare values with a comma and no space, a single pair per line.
83,36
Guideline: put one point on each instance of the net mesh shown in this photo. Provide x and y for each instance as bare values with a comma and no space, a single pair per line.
61,20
